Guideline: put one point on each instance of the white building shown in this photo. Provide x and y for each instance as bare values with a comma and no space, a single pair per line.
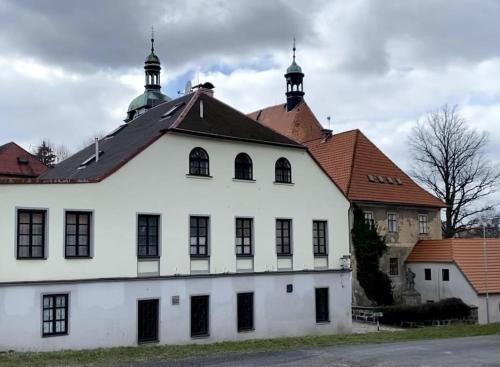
466,268
192,223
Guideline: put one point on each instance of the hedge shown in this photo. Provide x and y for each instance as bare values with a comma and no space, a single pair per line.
449,308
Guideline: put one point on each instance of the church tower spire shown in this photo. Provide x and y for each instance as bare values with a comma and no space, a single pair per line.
294,83
152,67
152,95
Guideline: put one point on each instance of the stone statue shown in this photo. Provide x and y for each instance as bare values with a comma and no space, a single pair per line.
410,279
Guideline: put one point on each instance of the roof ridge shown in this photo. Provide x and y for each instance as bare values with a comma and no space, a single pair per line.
353,158
186,110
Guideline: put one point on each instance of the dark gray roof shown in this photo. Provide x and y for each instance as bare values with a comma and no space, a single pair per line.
219,121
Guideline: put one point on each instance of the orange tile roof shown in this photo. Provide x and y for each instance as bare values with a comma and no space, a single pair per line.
468,255
349,158
17,162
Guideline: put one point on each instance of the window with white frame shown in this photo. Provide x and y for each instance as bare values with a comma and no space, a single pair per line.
55,314
319,237
422,224
244,236
31,233
369,218
198,236
392,222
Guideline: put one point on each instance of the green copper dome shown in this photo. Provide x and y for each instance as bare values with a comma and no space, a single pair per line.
152,58
294,68
149,98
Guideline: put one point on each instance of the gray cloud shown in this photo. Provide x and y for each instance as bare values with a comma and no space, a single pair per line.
97,34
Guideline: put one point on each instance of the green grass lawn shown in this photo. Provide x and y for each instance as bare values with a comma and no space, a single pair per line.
109,356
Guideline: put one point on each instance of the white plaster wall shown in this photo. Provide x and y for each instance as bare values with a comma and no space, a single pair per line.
104,314
458,286
156,182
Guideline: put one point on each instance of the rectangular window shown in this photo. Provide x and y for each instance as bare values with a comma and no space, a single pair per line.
199,316
394,266
31,234
319,237
55,314
244,236
283,236
427,274
322,305
245,311
77,238
148,235
369,219
392,223
147,320
198,236
446,275
422,224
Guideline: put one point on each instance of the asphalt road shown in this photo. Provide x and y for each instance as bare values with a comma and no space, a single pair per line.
474,351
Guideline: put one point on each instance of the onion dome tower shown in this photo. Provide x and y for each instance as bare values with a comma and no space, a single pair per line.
294,83
152,95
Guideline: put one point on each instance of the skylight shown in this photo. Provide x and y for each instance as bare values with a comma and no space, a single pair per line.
115,131
172,110
89,160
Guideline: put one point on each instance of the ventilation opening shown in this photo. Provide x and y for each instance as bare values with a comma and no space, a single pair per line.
115,131
22,160
89,160
172,110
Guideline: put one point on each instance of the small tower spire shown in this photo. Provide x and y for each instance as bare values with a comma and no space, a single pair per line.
294,82
152,39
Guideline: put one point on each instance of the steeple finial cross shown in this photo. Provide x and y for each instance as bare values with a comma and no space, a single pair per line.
152,39
294,48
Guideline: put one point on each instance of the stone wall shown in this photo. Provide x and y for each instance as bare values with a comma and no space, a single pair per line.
399,243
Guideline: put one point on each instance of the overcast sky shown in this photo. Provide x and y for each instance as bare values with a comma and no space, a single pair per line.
68,69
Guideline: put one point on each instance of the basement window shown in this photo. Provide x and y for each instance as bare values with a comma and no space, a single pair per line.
172,110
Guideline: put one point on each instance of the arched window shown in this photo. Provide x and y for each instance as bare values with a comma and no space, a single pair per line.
283,171
198,162
243,167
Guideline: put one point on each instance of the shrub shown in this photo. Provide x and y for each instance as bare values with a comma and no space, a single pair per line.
368,248
449,308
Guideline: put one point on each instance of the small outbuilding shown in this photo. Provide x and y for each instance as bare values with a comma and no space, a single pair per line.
467,268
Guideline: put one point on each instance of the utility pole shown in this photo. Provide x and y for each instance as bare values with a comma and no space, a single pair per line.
485,260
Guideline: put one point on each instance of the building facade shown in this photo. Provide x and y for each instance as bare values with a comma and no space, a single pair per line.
190,223
403,212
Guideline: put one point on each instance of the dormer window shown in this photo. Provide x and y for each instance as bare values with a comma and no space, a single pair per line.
283,171
243,169
198,162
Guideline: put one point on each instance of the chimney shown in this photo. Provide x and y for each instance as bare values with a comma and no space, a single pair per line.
325,134
97,149
206,88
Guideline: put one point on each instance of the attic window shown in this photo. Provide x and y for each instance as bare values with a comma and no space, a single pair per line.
371,178
22,160
380,179
89,160
172,110
390,180
115,131
398,180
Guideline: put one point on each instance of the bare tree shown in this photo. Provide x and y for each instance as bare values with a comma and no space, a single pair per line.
450,160
91,139
62,152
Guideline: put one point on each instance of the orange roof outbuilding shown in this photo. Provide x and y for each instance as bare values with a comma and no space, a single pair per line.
361,170
469,254
18,163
